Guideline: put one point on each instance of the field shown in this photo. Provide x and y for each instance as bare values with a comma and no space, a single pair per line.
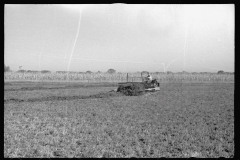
117,77
60,119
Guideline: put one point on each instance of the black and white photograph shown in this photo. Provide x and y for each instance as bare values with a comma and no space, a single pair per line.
119,80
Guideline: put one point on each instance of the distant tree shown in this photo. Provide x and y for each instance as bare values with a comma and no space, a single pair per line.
145,72
111,71
61,72
88,72
58,71
204,73
72,72
31,71
228,73
99,72
35,71
169,72
6,68
21,71
220,72
45,71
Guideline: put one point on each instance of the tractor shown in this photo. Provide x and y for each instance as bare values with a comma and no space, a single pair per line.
136,88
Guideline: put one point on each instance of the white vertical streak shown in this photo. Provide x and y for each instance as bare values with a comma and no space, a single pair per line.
79,22
171,62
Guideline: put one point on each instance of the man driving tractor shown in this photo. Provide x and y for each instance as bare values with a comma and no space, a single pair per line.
149,78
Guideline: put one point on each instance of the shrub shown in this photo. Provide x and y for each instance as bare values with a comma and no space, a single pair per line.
21,71
89,72
111,71
144,72
45,71
220,72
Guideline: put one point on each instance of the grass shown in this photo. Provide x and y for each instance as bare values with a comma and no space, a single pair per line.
179,121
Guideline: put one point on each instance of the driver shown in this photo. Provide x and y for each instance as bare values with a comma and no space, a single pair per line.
149,78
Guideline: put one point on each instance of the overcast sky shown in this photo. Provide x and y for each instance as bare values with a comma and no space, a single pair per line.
127,38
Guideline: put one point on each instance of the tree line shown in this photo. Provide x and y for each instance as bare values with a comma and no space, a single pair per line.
111,71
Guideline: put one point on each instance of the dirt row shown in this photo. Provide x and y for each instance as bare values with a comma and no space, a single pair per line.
52,98
135,89
40,87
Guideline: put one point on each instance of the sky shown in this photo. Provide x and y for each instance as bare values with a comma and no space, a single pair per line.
124,37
